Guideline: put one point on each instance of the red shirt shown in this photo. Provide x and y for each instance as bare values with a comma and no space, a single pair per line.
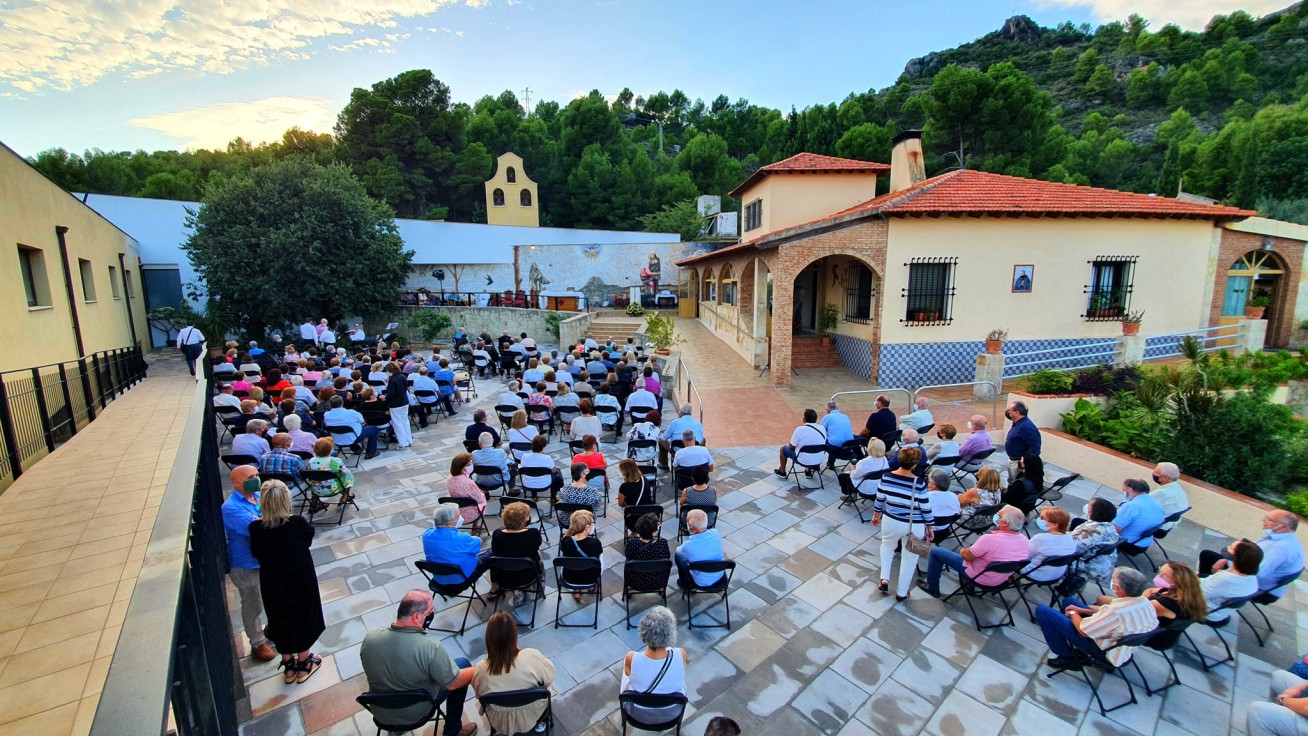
592,460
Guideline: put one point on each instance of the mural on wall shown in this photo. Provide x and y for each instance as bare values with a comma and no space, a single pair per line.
603,272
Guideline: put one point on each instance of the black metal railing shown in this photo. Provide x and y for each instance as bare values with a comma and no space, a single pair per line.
41,407
175,655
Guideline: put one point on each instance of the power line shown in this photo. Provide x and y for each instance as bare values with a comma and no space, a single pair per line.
526,99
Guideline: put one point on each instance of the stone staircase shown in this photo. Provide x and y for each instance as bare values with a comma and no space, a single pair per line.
616,328
809,352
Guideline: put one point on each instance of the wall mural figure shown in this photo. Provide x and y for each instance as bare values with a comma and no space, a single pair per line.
649,275
536,280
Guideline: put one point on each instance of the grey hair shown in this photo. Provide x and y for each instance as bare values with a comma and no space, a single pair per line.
939,479
254,425
909,437
1170,470
514,385
688,437
685,409
658,629
445,513
1013,516
485,440
292,422
921,402
696,519
1130,580
831,406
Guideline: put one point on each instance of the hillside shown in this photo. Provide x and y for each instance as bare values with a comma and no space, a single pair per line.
1222,113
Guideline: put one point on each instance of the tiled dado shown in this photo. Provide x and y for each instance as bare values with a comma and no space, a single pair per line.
910,365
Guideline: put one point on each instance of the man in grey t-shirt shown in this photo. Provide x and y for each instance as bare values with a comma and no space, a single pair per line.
402,657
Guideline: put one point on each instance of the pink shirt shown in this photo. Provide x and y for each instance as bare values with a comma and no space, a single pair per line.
462,486
995,547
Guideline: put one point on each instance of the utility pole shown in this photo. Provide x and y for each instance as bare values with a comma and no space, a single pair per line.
526,99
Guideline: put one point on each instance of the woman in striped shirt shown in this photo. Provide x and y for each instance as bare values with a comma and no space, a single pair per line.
902,504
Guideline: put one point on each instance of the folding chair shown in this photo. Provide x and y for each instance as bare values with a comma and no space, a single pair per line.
658,570
1163,639
463,588
565,415
943,462
533,507
466,387
1135,549
890,439
575,448
969,588
1265,598
710,510
637,413
505,413
972,467
848,491
346,440
1024,582
305,456
722,587
517,574
850,452
651,475
1053,493
563,511
576,566
478,527
634,445
428,402
1099,660
652,700
867,491
231,461
316,479
441,385
812,469
544,425
529,472
924,430
1161,532
1235,604
491,478
519,698
608,418
594,473
382,705
383,424
978,523
680,478
631,513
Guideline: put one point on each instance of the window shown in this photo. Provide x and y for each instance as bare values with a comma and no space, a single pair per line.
31,261
497,197
710,289
113,282
525,198
930,291
754,215
163,286
511,175
1109,290
88,279
127,279
729,292
858,293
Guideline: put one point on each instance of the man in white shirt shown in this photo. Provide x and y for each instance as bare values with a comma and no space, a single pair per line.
424,382
1169,494
590,342
308,332
190,342
691,454
225,397
919,418
808,434
357,335
511,396
641,400
327,337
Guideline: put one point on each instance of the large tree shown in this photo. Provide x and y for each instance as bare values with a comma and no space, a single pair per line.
293,240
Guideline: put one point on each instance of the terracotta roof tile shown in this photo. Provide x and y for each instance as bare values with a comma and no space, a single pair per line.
812,163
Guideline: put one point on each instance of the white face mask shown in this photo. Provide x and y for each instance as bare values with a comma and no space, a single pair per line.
458,522
969,427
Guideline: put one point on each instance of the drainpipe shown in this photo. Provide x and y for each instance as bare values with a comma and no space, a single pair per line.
127,299
60,231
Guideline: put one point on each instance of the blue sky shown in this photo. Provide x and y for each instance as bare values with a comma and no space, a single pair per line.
128,74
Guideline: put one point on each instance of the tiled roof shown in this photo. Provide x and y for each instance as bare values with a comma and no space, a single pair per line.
977,194
812,163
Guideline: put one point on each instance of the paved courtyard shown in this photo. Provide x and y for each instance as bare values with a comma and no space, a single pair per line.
814,646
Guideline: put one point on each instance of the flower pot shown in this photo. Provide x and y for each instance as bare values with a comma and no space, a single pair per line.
1130,328
994,347
663,351
826,339
1254,312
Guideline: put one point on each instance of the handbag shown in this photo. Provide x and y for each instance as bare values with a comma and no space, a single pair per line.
913,544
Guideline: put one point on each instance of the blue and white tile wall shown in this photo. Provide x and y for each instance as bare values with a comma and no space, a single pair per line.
911,365
855,353
1157,347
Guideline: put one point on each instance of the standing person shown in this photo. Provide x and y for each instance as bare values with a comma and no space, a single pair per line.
1023,437
239,510
903,501
190,341
397,401
308,333
280,542
507,667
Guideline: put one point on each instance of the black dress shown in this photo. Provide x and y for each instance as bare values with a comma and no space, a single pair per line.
525,543
639,549
1021,493
288,583
637,493
588,547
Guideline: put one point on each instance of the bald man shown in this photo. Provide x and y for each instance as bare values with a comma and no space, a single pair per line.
241,508
978,440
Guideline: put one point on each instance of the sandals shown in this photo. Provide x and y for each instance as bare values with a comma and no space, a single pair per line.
304,669
292,670
885,586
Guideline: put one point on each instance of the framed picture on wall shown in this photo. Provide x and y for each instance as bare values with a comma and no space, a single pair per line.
1023,278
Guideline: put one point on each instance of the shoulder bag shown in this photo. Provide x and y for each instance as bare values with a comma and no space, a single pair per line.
913,544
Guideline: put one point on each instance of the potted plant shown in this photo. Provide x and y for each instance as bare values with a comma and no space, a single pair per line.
995,341
1131,322
661,332
829,321
635,310
1257,306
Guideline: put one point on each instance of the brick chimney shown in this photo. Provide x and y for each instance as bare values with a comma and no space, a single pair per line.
906,167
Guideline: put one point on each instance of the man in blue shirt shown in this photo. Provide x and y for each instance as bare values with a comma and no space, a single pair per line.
674,431
239,510
445,543
839,431
339,416
1282,555
1138,515
1023,437
703,545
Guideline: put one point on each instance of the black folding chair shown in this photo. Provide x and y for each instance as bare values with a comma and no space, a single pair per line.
234,460
491,478
545,424
563,512
428,401
890,439
382,422
1053,493
383,704
651,700
943,462
681,478
518,699
1024,581
722,587
971,467
608,420
631,513
866,487
1164,638
978,523
1161,532
518,575
575,448
969,588
634,445
1264,597
343,496
565,415
1099,660
658,572
710,510
594,473
531,472
810,470
478,527
1235,604
849,453
464,588
505,413
563,566
1134,549
441,386
346,441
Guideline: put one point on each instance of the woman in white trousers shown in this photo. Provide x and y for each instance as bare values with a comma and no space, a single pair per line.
902,508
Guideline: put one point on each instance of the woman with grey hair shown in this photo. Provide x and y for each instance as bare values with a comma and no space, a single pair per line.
659,669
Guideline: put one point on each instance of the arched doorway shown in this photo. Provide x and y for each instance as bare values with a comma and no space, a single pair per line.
1257,279
846,286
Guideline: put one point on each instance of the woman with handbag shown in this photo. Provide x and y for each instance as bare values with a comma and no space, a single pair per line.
903,511
659,669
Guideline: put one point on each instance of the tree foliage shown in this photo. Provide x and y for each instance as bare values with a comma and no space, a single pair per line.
293,239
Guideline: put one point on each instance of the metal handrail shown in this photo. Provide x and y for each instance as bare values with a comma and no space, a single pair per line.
1060,350
1239,327
907,394
690,387
1237,336
994,394
1103,354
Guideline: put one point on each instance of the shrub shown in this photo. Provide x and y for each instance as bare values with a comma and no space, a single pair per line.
1297,503
1242,443
430,323
635,309
1047,381
1105,380
552,320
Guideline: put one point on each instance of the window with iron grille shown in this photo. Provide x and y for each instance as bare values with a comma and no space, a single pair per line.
930,292
858,293
754,215
1108,295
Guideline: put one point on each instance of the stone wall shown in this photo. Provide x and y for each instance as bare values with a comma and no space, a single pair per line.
573,330
1281,316
475,319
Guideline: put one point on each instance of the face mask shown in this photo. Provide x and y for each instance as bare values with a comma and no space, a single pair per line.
458,524
1086,510
1161,582
1161,480
1044,525
590,529
1268,532
251,485
969,427
1008,414
995,519
426,621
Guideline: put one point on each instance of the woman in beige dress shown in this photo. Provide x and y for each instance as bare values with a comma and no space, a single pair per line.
506,667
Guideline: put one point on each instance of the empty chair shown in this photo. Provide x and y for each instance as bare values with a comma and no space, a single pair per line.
1053,493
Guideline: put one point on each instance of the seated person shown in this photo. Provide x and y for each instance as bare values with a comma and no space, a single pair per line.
699,492
339,416
1024,492
881,421
590,454
516,539
919,418
644,543
580,541
944,502
1004,543
910,438
225,398
978,440
324,458
511,397
566,399
808,434
533,374
461,485
540,405
691,453
675,429
507,668
1138,515
1097,531
1169,494
1176,594
400,657
279,458
473,431
635,489
986,493
585,424
650,671
1238,579
641,400
1052,541
301,441
520,432
1282,555
703,545
580,490
445,543
838,429
605,397
646,429
487,456
251,441
537,458
946,447
874,462
1097,629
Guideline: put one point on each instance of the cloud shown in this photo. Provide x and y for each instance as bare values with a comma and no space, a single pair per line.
1191,14
63,44
214,126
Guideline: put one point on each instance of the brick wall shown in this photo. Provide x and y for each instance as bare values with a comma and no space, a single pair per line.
1235,244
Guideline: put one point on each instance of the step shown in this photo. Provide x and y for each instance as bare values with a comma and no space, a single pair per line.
799,361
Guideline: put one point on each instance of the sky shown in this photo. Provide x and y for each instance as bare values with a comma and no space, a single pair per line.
186,74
